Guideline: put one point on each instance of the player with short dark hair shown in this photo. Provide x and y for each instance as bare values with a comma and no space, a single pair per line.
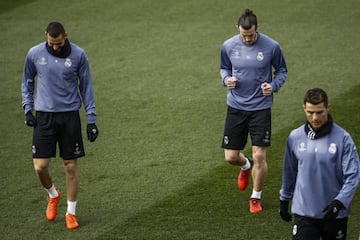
321,173
63,83
247,62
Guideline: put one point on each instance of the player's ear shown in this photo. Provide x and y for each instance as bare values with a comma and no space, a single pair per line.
65,35
328,108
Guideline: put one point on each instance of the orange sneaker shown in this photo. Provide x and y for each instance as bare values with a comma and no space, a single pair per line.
255,205
243,178
52,207
71,222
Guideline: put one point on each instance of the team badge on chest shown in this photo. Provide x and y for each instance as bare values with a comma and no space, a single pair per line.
67,63
260,56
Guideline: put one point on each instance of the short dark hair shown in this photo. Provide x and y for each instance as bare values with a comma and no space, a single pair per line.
55,29
247,20
316,96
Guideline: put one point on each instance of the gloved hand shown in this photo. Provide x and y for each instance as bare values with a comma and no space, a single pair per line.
332,210
30,119
284,211
92,132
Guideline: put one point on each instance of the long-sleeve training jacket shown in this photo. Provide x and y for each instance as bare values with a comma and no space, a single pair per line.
62,83
252,65
318,171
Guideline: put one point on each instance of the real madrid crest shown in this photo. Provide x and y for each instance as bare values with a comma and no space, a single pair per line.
332,148
67,63
260,56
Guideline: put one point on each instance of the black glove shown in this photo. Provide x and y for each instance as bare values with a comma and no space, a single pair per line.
284,211
92,132
332,210
30,119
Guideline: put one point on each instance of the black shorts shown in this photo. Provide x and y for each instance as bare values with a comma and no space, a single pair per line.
240,123
312,229
63,128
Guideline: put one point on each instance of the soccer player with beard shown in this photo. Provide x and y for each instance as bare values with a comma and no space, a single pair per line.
247,62
63,83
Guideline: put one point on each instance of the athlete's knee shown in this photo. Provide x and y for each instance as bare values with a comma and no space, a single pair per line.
41,166
70,167
259,155
232,157
41,170
232,161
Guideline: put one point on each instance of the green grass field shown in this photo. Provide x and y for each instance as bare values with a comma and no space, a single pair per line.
157,170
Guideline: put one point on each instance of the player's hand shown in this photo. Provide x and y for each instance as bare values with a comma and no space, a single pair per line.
92,132
30,119
332,210
266,89
284,211
231,82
